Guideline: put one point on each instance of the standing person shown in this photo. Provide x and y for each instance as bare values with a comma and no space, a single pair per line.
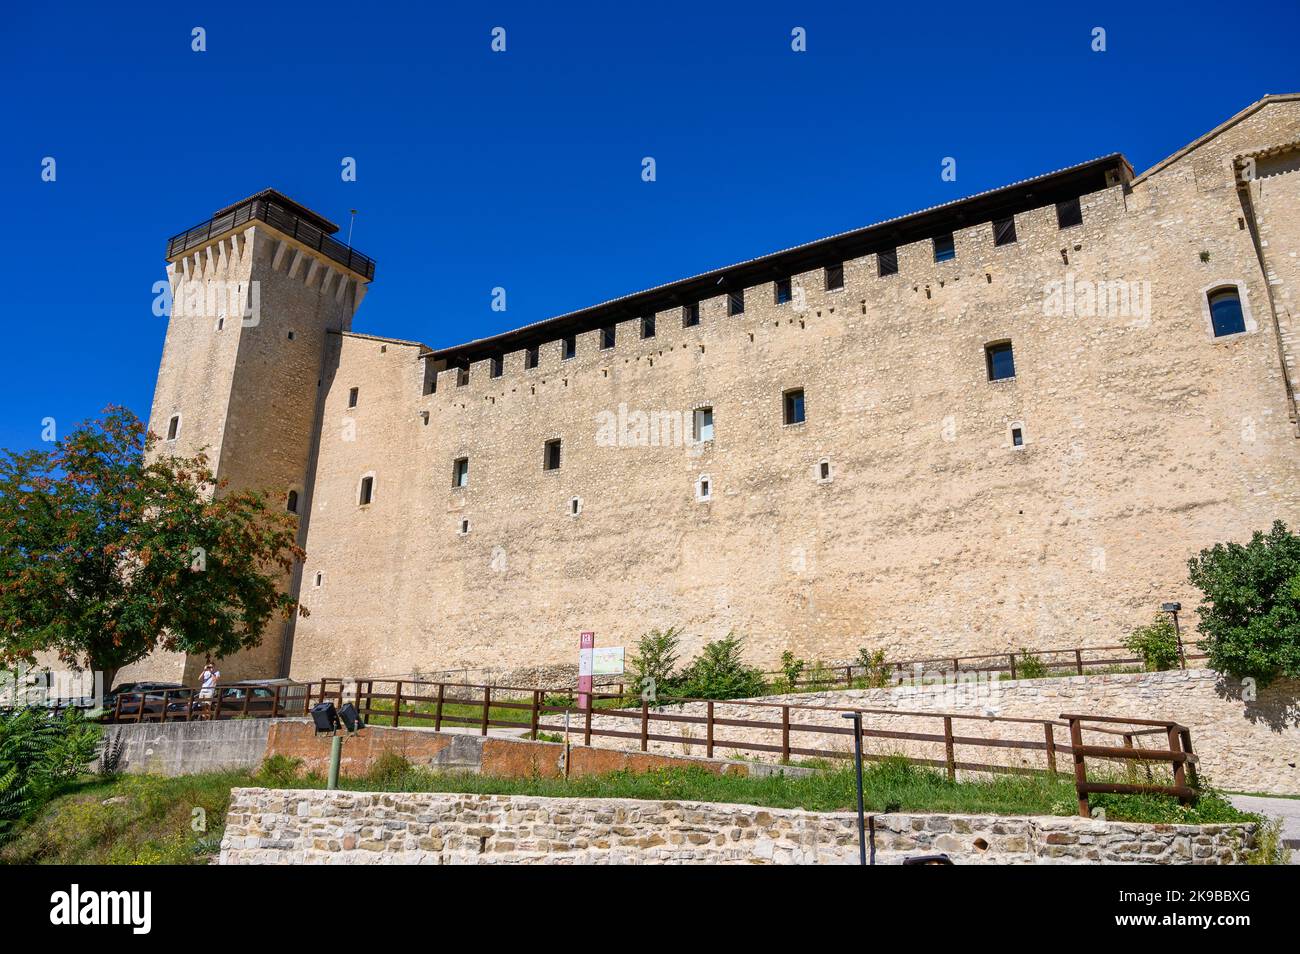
208,680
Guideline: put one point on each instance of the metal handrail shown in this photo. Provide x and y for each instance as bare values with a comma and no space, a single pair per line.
278,218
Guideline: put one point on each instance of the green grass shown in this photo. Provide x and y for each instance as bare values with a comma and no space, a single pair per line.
460,714
129,820
148,819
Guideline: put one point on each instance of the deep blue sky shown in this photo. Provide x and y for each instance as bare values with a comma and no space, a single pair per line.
522,169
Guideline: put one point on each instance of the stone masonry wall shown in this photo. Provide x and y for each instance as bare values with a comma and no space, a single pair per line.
1146,439
1243,746
320,827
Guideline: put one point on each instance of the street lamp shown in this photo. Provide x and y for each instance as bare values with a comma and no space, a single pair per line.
1172,609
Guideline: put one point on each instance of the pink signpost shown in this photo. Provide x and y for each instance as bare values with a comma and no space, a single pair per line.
587,646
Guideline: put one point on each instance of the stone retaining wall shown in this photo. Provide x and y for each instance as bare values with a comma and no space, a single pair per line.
1250,746
267,826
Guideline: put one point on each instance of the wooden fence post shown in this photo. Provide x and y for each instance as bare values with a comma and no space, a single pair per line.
487,705
1192,778
949,749
1180,767
1012,657
709,730
1078,660
437,712
645,725
537,707
586,734
397,702
1051,747
1080,768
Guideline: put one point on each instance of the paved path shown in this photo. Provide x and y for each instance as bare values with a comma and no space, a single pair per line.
1288,809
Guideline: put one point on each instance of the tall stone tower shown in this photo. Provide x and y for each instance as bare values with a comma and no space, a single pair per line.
259,292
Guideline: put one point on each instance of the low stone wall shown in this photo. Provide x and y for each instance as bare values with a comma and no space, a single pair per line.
186,748
267,826
1250,746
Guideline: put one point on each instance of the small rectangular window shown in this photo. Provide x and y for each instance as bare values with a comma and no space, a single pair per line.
1004,231
498,365
647,326
174,426
794,413
607,337
691,315
460,472
736,302
531,355
703,424
352,396
1000,360
570,346
367,490
1068,213
944,249
887,262
551,455
782,291
834,276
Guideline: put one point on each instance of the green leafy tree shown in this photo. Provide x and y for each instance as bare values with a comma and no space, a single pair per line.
1250,614
654,665
1156,643
719,672
109,552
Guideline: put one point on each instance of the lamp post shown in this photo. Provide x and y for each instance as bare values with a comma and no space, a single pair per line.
1172,609
857,759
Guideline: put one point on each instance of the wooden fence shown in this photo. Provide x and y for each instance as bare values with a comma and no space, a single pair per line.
778,730
1077,661
481,708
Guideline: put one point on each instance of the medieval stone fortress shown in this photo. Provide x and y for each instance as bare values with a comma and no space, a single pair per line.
1005,421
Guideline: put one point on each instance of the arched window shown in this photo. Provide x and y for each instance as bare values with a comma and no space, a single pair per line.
1225,312
291,504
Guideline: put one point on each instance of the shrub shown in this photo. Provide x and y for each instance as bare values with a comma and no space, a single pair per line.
1156,643
654,666
388,770
1250,615
39,753
1029,666
876,670
792,669
718,672
279,771
110,755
